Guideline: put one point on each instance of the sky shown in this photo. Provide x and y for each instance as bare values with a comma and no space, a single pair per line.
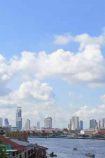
52,60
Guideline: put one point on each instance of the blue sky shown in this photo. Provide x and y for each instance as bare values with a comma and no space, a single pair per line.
35,26
31,25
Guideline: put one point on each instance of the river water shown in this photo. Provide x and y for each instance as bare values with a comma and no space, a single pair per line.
63,148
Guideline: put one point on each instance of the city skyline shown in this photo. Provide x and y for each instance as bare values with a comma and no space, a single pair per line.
74,124
52,60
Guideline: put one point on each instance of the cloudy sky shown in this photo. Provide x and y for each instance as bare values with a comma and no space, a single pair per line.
52,60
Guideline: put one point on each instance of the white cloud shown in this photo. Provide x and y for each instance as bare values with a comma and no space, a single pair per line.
87,113
87,66
28,73
36,98
62,39
4,70
29,91
84,40
102,98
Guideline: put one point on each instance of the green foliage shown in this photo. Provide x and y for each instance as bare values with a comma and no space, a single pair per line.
3,153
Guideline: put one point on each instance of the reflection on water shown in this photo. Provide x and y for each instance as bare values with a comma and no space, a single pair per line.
64,147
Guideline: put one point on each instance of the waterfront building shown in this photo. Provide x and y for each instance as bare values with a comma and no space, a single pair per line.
1,122
88,132
93,124
48,122
14,129
81,125
27,124
74,123
21,148
19,118
6,122
100,131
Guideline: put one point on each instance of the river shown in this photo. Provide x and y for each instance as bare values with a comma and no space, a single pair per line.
64,147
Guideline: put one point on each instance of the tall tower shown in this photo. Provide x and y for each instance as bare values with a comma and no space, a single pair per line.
48,122
1,122
6,122
93,123
81,125
74,123
19,118
27,124
38,125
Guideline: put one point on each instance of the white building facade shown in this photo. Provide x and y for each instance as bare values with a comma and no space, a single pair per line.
1,122
48,122
74,123
27,125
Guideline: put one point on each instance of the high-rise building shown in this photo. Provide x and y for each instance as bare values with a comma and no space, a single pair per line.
19,118
48,122
27,124
74,123
93,124
6,122
1,122
38,125
101,124
81,125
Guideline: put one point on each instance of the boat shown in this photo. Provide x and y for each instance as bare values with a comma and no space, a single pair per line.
52,154
91,155
75,149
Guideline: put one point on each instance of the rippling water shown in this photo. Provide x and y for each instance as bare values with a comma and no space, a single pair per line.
64,147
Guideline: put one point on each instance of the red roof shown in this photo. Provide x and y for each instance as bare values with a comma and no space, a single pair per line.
14,145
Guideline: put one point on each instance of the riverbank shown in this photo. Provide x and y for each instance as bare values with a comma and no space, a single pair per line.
67,137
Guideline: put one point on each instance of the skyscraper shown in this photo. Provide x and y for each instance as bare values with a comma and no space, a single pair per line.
19,118
93,123
48,122
6,122
38,125
81,124
1,122
27,124
101,124
74,123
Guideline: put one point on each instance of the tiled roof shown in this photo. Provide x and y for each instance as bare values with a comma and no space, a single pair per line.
14,145
21,142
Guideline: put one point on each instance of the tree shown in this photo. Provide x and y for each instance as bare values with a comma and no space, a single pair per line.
3,153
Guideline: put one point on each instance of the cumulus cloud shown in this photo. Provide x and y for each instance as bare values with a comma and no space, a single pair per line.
28,74
84,39
29,91
62,39
36,98
86,65
4,70
87,113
